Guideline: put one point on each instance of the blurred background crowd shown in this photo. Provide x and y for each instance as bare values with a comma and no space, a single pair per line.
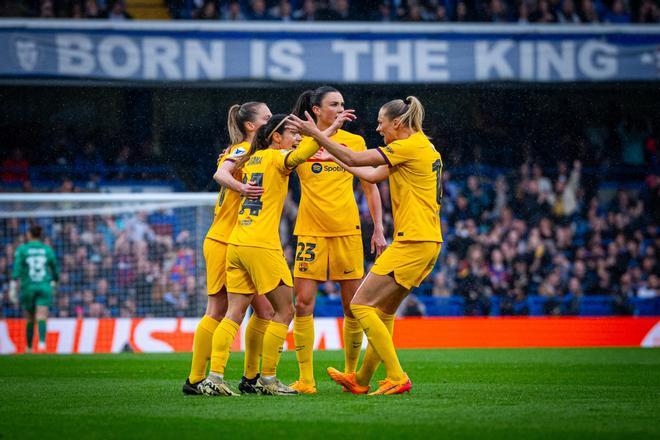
540,238
481,11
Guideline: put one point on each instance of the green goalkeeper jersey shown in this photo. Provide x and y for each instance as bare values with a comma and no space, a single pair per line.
35,266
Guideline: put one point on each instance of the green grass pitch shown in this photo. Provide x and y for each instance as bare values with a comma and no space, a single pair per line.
471,394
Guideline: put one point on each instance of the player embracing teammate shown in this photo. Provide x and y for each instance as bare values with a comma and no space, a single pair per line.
329,240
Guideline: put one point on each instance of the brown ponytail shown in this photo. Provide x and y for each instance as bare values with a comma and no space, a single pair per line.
237,117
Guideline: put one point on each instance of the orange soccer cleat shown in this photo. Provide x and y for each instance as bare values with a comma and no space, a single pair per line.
388,386
348,381
303,388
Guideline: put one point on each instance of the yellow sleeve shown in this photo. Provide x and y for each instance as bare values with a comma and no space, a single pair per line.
396,153
360,145
300,154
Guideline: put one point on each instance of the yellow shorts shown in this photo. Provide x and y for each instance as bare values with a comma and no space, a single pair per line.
409,261
253,269
215,255
329,258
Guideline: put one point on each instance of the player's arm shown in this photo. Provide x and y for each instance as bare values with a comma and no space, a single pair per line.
366,174
378,242
300,154
16,273
307,150
346,155
225,177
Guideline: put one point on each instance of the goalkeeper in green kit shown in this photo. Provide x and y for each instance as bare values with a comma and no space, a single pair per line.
37,271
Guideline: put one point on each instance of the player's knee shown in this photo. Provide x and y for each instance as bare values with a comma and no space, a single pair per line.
265,313
215,314
285,314
304,306
235,315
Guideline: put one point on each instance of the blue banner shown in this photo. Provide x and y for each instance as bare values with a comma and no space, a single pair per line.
333,53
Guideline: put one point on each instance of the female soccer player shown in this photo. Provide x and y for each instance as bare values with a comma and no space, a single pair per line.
414,170
242,123
255,261
329,235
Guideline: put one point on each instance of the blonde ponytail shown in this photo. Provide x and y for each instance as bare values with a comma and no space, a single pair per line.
414,115
410,112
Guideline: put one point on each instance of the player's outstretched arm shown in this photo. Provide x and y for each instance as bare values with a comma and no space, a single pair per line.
225,176
346,155
368,174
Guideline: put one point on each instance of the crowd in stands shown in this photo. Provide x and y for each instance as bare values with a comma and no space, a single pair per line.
559,231
84,166
520,234
116,265
482,11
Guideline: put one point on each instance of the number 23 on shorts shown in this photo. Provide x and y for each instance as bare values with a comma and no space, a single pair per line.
305,252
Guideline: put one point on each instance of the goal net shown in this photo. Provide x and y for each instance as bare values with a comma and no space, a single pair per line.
122,256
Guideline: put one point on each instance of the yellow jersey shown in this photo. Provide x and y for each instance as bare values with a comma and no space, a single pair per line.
226,206
327,204
415,188
258,220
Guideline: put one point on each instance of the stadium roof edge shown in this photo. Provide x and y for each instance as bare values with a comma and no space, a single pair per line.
321,27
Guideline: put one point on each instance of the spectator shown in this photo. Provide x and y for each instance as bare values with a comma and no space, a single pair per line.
543,13
89,164
496,12
117,11
617,13
567,13
461,14
15,169
208,11
649,12
307,12
232,12
92,9
258,11
283,11
46,9
588,12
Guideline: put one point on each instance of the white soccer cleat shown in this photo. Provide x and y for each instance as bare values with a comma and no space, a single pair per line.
272,386
41,347
215,385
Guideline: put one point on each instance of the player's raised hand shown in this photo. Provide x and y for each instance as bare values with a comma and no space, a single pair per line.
306,127
251,190
323,155
343,117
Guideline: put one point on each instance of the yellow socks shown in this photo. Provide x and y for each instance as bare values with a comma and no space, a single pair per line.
254,340
380,338
371,359
352,343
272,349
303,335
222,339
202,348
